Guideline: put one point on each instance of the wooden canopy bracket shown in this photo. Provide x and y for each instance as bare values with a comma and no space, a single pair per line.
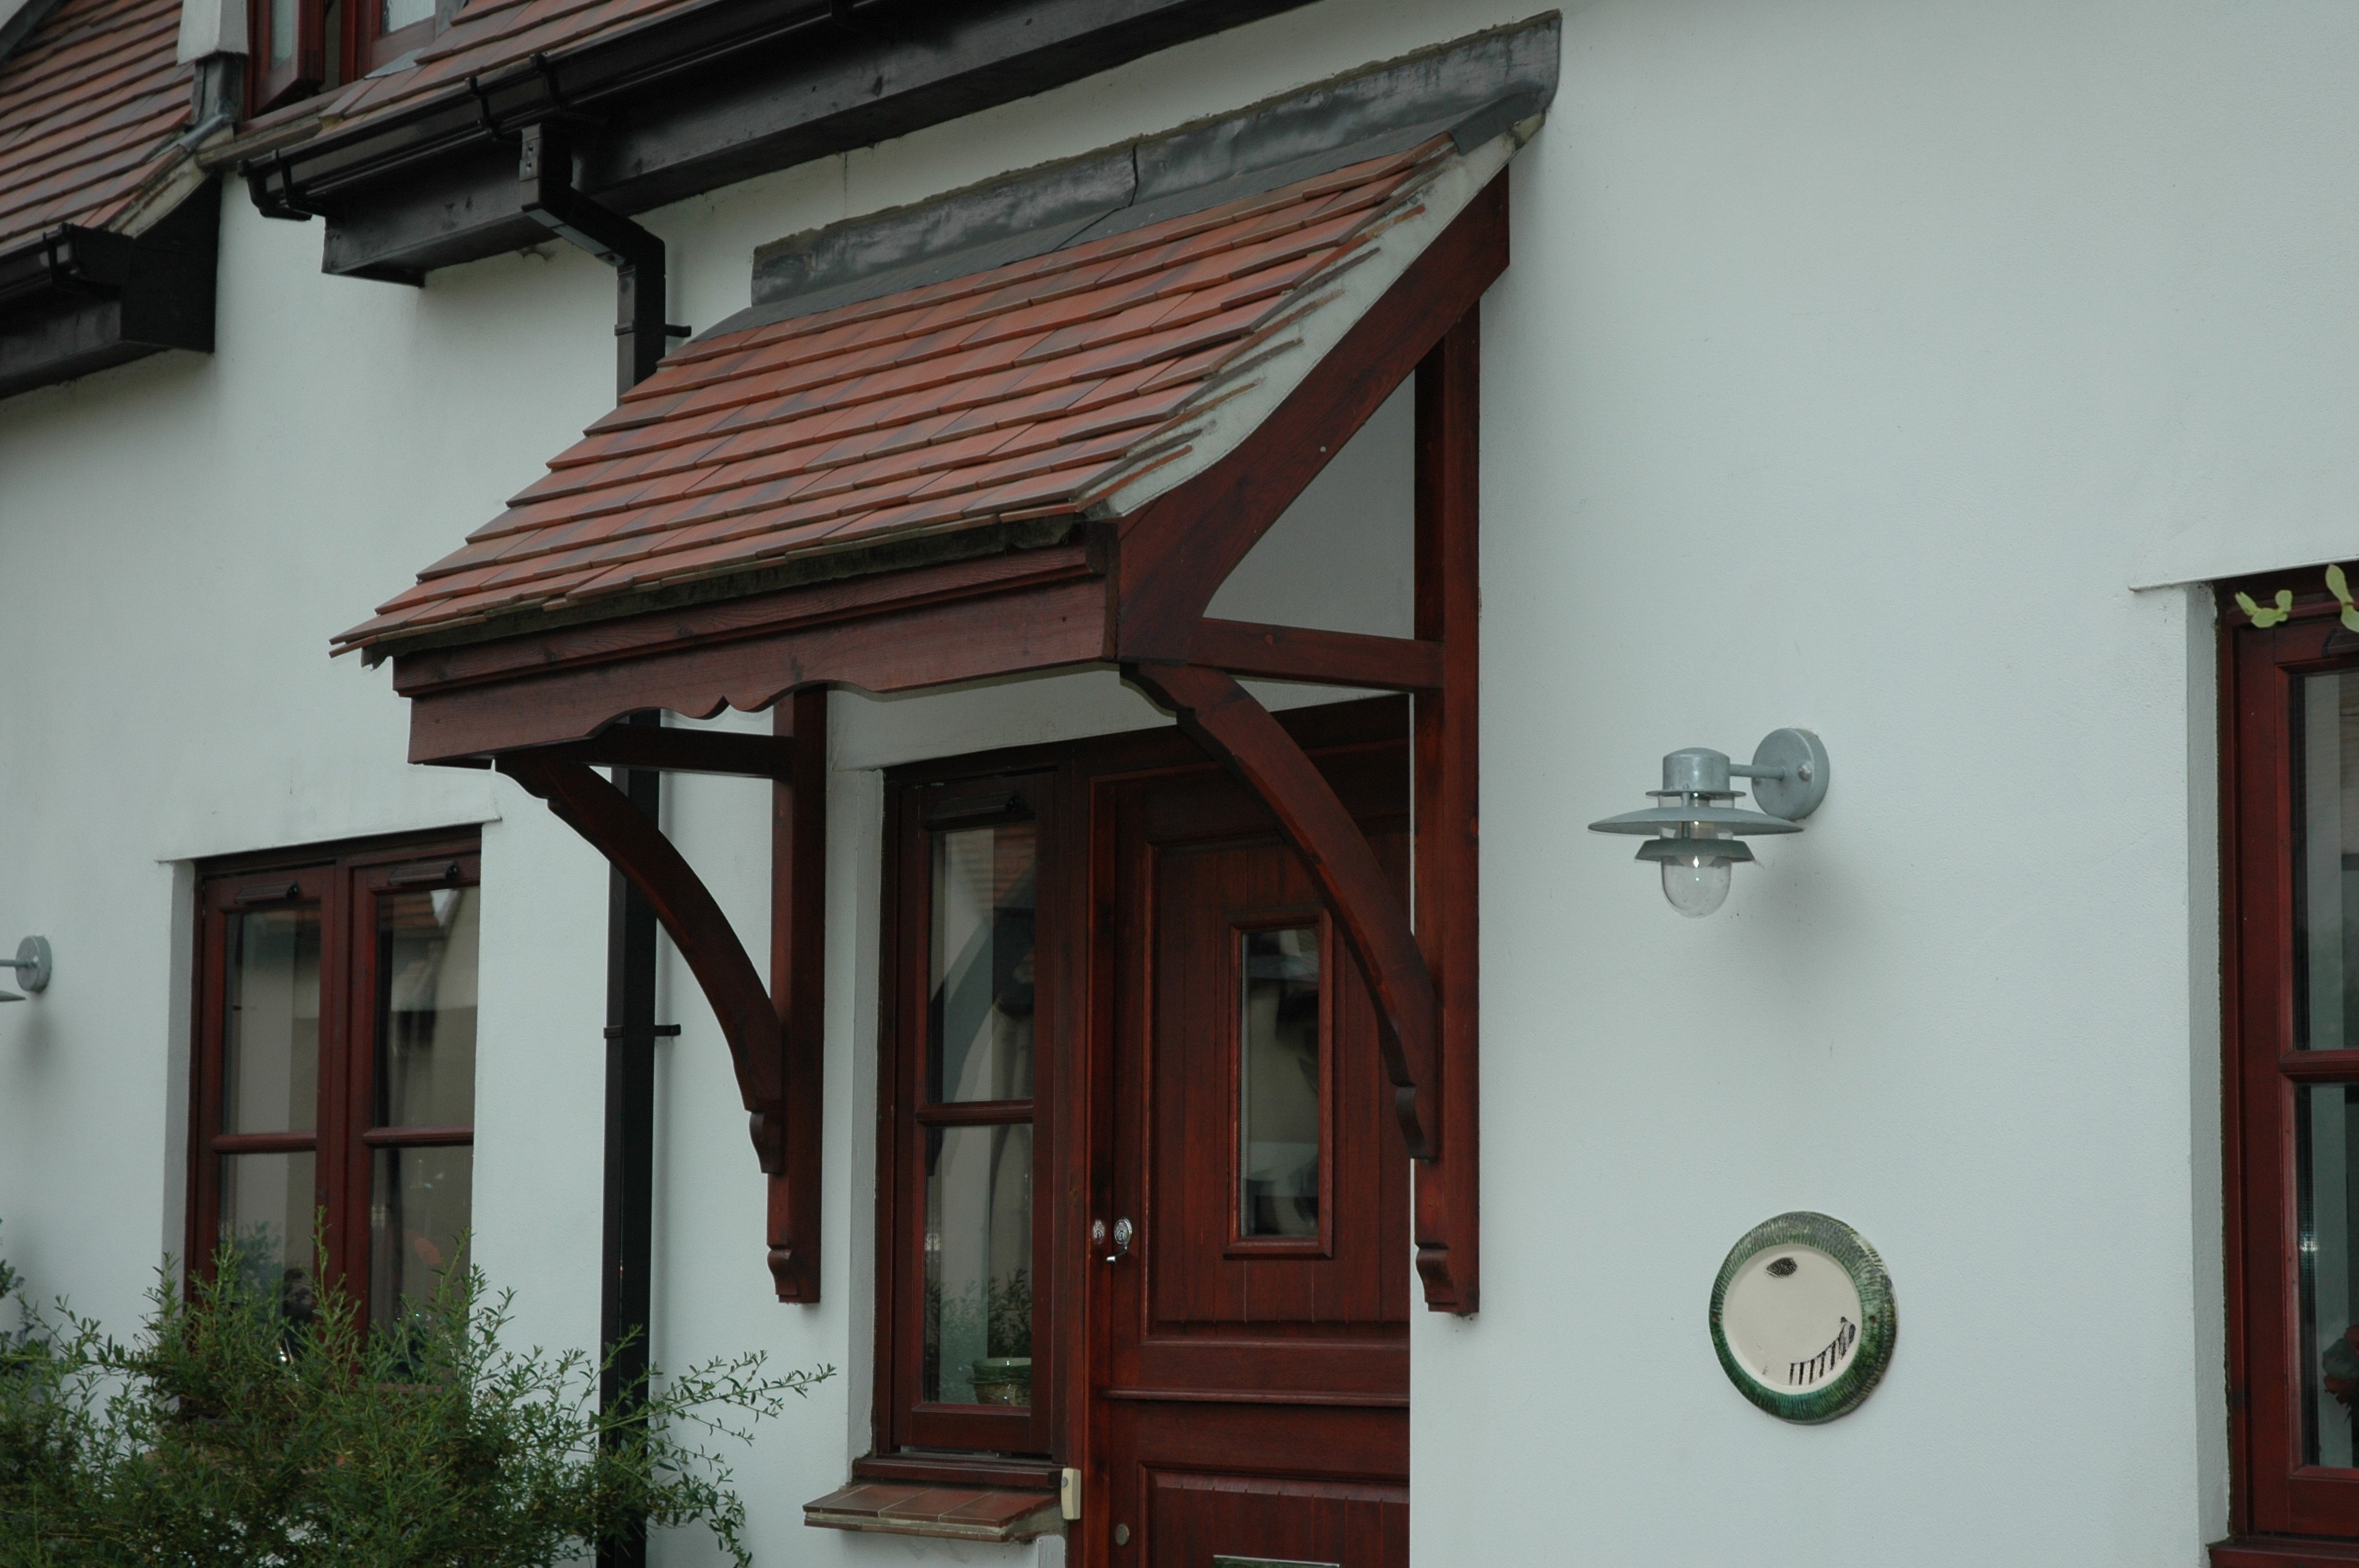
774,1045
1422,976
1227,721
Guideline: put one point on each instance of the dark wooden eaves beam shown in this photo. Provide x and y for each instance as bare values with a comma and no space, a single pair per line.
678,751
1307,653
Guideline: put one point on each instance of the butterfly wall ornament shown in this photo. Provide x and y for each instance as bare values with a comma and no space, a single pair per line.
2341,588
2263,617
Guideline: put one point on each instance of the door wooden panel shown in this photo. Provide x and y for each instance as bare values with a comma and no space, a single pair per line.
1252,1387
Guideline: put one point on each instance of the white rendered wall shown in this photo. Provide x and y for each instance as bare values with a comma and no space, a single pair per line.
1856,360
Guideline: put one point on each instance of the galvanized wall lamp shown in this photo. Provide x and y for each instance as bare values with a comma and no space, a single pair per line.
1693,835
32,966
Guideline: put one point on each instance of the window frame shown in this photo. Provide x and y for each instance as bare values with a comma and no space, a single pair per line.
349,28
2260,671
306,71
1321,1242
904,1421
345,882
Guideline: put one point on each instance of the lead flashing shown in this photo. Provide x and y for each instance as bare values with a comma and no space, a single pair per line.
1474,89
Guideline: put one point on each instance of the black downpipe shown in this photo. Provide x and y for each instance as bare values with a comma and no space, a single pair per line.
626,1249
626,1257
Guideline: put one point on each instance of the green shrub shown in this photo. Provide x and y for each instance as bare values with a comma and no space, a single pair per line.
228,1433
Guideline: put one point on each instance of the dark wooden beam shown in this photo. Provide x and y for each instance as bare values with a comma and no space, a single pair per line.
798,968
1306,653
678,751
605,816
1448,1224
1175,553
1226,721
1005,615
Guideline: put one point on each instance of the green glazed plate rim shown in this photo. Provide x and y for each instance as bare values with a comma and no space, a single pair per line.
1879,1322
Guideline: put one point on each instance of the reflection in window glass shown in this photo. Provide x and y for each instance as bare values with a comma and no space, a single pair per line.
2326,879
978,1265
426,1008
1278,1121
282,32
2326,1137
270,1069
980,1006
400,14
267,1207
418,1209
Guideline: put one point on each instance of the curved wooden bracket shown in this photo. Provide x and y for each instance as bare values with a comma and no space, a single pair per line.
605,815
780,1087
1227,721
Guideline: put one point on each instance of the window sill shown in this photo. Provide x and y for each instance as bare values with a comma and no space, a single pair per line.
2283,1551
979,1472
957,1513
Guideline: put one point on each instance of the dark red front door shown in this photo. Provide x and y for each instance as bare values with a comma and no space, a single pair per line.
1251,1367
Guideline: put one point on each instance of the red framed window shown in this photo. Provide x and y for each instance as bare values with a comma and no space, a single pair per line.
335,1067
302,47
966,1134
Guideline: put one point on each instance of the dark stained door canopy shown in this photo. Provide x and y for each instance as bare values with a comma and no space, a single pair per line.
1050,463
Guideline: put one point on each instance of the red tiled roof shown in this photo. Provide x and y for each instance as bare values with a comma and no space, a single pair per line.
89,107
1029,390
488,34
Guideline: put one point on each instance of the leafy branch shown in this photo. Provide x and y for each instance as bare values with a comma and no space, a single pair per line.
224,1435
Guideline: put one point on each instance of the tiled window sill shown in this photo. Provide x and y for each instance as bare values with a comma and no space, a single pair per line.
2283,1551
958,1513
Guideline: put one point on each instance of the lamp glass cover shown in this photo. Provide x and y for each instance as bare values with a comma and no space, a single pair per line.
1696,884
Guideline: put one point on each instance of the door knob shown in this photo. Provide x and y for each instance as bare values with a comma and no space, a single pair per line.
1123,1232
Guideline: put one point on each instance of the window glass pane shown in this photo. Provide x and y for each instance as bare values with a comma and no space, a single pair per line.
267,1207
2326,875
270,1067
1278,1121
2326,1141
400,13
426,1008
980,1010
282,32
418,1207
979,1265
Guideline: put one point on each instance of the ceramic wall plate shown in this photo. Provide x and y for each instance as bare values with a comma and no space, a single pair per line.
1803,1317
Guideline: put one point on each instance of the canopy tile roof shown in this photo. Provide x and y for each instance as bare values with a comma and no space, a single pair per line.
1074,381
90,108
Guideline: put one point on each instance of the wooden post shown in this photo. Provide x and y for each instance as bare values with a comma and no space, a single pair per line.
1449,409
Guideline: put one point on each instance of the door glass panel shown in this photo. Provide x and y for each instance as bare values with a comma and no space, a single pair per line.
266,1206
978,1311
426,1008
979,1009
418,1209
270,1067
2326,864
1278,1121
